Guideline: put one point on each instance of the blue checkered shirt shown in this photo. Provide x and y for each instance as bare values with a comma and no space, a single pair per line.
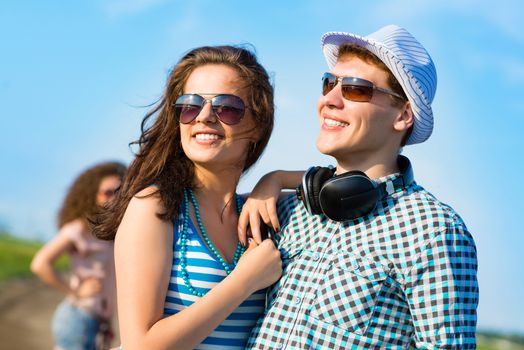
402,277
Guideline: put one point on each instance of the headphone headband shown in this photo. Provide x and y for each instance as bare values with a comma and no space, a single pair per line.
350,195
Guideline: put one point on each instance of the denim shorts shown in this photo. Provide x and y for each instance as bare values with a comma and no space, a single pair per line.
74,328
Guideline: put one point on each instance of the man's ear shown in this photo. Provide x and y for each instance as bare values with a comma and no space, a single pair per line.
404,119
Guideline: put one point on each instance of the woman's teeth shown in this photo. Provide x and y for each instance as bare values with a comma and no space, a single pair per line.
206,137
331,122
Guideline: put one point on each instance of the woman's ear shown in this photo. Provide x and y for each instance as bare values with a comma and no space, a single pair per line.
404,119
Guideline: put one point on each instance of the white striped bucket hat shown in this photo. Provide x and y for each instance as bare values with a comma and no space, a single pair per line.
409,62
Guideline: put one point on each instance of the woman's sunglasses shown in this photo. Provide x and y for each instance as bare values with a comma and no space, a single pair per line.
229,109
108,193
354,89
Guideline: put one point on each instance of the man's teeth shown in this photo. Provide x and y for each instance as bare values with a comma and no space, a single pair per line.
331,122
206,137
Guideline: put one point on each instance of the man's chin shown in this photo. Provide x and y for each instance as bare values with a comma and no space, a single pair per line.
326,148
328,152
323,146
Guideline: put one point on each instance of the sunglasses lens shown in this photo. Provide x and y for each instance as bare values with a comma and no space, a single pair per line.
229,108
107,193
329,81
353,89
187,108
187,113
357,93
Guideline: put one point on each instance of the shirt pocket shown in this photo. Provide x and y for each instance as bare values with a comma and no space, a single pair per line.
346,297
290,257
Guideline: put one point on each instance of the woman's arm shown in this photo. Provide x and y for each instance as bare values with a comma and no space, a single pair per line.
262,203
42,263
143,257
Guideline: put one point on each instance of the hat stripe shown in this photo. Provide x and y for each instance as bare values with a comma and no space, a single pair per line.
409,86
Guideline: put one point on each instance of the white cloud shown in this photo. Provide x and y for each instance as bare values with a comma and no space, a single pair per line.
512,68
509,66
117,8
186,23
190,27
505,16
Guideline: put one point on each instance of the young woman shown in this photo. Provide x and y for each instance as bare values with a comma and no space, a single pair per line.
183,279
90,291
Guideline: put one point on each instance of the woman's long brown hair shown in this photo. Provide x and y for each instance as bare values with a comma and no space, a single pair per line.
80,200
161,160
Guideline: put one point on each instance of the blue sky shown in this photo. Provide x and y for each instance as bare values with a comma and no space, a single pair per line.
75,75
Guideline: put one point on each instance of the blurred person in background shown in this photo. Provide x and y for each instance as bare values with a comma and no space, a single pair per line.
88,307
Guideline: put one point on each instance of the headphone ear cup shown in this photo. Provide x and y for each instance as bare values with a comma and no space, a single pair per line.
348,196
315,183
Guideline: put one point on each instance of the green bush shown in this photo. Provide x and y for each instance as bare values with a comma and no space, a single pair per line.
491,340
16,255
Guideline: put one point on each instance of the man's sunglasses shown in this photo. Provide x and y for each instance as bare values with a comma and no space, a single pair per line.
354,89
228,108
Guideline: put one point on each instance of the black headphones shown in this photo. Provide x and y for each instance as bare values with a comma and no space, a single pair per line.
350,195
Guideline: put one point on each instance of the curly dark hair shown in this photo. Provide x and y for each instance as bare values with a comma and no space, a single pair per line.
80,200
161,160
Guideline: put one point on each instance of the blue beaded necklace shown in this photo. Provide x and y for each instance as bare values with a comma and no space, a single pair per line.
184,239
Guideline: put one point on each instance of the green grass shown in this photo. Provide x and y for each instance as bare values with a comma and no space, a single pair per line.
16,255
487,340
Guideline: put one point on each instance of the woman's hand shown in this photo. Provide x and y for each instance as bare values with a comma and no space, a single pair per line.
262,203
260,266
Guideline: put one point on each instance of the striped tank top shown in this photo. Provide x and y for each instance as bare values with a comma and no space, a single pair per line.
205,271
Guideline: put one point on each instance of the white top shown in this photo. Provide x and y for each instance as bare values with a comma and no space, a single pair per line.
91,257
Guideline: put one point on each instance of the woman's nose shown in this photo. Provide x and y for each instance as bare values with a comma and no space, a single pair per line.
207,114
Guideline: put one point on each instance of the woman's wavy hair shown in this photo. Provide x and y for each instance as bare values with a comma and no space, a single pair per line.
80,200
160,159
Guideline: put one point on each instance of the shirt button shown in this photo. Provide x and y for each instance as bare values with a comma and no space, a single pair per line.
316,257
280,346
355,266
298,300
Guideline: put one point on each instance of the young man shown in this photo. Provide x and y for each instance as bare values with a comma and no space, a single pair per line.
384,264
